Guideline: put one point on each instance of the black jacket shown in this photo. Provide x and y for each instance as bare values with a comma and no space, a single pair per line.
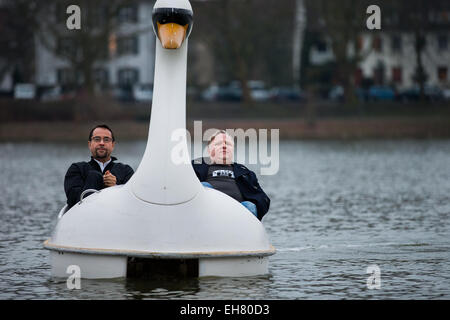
88,175
246,181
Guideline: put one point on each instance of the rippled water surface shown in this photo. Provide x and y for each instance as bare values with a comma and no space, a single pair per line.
337,207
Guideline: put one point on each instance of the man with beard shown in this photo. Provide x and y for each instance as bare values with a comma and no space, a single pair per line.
99,173
221,173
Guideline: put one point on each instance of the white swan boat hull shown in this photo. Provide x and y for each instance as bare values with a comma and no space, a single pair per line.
100,236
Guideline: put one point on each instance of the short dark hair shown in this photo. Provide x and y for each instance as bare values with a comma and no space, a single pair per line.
104,126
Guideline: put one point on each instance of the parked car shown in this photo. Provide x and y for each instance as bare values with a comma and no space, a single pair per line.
210,93
376,93
286,94
432,93
142,92
51,94
233,91
446,94
123,94
24,91
381,93
192,93
229,93
258,90
336,93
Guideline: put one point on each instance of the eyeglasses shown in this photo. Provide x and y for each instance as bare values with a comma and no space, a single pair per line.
99,139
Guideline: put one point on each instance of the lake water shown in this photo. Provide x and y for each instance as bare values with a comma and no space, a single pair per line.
336,208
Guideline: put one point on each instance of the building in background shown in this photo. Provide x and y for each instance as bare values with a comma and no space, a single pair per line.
389,56
127,60
270,49
391,60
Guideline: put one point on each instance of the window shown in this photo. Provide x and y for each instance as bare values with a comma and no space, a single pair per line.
379,73
321,46
359,43
128,76
358,77
101,76
442,42
378,44
66,46
98,16
397,75
443,74
440,17
66,76
128,14
127,45
396,43
103,51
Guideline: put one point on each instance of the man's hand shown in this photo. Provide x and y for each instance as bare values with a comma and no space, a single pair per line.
109,179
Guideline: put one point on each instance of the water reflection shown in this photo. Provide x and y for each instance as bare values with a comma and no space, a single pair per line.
161,288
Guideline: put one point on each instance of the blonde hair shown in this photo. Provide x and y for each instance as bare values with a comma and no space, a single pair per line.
216,134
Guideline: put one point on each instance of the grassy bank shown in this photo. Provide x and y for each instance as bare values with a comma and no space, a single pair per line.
84,108
341,128
71,120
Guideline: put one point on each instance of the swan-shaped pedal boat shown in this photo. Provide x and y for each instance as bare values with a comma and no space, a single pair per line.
162,216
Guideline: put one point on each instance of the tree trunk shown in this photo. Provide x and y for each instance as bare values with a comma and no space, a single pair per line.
243,78
311,105
298,38
88,83
420,72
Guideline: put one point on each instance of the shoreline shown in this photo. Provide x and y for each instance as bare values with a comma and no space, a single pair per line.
294,128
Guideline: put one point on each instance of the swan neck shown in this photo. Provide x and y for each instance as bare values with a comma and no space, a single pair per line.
165,175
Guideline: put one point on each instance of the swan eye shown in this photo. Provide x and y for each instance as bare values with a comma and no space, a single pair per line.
183,17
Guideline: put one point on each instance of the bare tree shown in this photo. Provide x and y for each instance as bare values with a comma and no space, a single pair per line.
248,38
341,23
82,48
17,25
298,39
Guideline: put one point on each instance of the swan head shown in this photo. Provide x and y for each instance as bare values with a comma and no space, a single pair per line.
172,22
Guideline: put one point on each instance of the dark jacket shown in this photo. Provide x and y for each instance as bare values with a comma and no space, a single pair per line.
88,175
246,181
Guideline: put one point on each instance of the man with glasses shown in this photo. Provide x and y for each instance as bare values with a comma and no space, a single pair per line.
99,173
